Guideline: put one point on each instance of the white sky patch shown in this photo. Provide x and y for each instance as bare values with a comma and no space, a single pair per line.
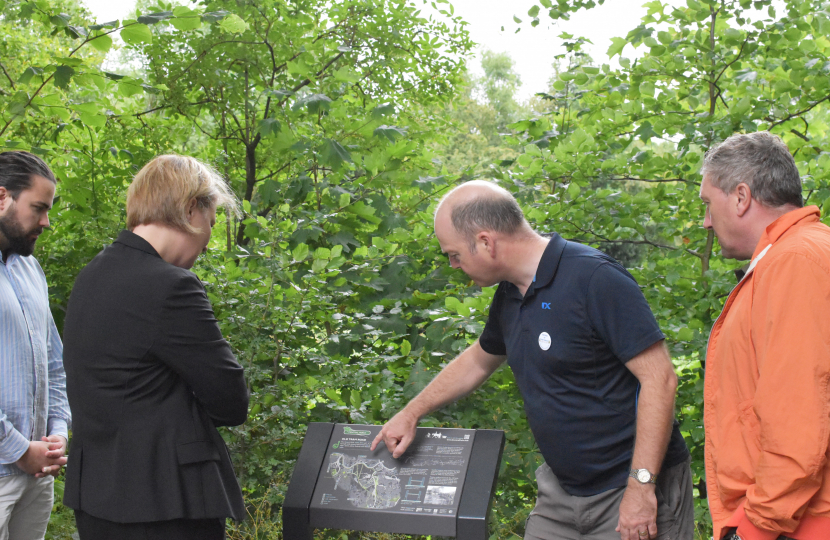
533,49
109,10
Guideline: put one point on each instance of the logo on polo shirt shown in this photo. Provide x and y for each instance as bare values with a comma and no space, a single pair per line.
544,341
545,305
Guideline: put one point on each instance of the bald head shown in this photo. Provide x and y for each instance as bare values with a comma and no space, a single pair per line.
481,206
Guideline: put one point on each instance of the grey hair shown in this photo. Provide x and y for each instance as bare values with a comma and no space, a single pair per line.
497,211
762,161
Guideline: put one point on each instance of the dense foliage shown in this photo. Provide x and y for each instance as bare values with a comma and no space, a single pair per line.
340,124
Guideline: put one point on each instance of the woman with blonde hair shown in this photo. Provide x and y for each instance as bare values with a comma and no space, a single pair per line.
149,375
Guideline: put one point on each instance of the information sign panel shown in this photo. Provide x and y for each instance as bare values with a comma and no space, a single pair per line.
360,489
443,485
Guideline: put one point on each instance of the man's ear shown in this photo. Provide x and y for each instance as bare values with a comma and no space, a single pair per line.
5,199
743,201
487,240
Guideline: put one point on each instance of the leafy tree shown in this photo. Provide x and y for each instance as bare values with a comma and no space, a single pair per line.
499,86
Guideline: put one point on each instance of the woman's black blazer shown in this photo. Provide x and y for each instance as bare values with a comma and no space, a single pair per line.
149,376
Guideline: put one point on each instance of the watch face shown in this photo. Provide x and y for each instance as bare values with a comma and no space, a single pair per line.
643,476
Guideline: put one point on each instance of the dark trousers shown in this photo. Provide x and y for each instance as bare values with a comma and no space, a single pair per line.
93,528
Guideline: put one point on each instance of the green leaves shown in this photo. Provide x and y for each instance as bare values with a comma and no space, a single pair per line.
300,252
314,102
383,110
617,46
685,334
233,24
136,33
215,16
389,132
333,153
419,378
101,26
269,126
63,74
101,43
93,120
186,19
28,74
154,18
346,74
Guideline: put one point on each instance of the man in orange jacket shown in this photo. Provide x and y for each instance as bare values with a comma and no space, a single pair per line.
767,391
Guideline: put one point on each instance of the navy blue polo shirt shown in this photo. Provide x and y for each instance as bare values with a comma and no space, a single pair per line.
567,340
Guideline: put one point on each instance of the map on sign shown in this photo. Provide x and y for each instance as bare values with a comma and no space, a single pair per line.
370,483
427,479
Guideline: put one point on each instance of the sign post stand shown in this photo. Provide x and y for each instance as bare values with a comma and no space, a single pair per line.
442,485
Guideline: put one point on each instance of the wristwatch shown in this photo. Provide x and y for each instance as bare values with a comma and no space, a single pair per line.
643,476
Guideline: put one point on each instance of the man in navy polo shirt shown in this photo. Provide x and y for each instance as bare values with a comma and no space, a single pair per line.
592,367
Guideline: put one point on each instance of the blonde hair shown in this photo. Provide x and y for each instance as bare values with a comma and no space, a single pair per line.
162,190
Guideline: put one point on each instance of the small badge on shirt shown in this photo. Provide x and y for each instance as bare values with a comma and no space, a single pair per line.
544,341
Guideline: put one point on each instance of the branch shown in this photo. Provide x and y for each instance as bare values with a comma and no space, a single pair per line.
5,127
87,40
211,136
644,241
796,114
653,180
433,194
737,57
306,82
6,73
204,53
274,173
799,135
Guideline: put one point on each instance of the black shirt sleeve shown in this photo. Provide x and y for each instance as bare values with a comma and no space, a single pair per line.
492,338
619,312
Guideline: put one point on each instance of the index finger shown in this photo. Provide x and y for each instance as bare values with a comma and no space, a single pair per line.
376,441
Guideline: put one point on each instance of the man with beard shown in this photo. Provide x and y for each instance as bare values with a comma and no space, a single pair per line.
34,412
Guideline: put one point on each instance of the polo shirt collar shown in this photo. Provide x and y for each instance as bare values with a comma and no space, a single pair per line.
548,265
776,229
130,239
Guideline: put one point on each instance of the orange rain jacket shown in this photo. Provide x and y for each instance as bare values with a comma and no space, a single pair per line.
766,396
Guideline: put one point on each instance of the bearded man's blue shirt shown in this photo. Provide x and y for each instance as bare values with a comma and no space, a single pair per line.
33,401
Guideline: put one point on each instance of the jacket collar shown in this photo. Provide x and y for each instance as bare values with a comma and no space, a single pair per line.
130,239
776,229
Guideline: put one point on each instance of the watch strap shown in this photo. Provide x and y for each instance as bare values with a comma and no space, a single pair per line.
635,474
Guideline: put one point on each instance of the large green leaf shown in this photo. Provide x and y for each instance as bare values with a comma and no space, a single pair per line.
333,153
101,43
136,33
63,74
390,132
233,24
617,46
156,17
